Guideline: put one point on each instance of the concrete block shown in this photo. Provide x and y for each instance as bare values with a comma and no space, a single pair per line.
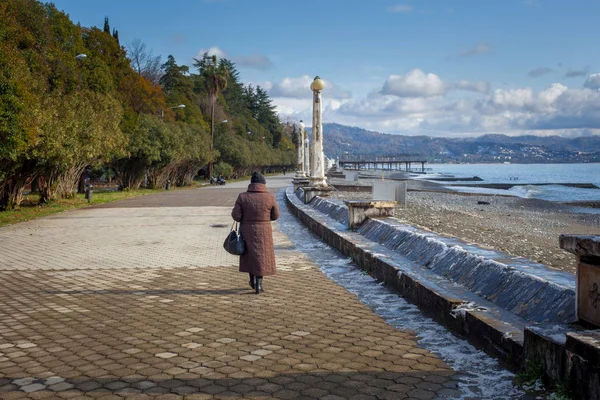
351,176
359,211
310,192
581,245
392,191
587,250
300,182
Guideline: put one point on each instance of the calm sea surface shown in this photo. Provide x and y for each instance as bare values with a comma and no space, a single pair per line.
523,175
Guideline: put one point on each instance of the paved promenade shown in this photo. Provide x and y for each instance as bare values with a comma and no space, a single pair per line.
137,299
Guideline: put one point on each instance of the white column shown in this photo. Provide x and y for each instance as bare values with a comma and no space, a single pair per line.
317,171
300,144
302,168
301,137
306,156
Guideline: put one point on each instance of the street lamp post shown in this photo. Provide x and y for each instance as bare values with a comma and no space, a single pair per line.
162,112
317,171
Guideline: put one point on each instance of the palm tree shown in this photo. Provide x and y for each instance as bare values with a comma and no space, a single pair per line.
214,77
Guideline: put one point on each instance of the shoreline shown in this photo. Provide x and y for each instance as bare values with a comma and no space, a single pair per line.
522,227
418,185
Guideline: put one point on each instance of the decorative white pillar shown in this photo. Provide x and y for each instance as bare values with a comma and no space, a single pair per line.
299,128
306,156
317,171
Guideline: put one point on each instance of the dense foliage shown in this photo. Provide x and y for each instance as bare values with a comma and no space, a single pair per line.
113,111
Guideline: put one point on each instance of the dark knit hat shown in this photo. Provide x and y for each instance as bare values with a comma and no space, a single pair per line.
257,178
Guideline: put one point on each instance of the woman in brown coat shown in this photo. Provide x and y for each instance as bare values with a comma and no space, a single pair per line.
255,209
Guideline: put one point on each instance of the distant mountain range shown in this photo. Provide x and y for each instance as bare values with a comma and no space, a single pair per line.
343,140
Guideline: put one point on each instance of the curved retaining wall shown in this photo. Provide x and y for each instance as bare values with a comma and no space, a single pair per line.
536,299
447,278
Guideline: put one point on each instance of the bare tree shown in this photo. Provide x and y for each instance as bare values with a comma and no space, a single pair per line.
144,61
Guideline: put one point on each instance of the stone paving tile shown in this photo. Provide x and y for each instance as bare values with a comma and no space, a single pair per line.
172,237
90,332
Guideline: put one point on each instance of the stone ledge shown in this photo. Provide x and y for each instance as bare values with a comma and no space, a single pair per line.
353,188
370,203
569,358
487,326
581,245
359,210
310,192
585,344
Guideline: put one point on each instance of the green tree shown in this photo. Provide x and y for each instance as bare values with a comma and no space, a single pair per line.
106,25
214,76
234,95
75,131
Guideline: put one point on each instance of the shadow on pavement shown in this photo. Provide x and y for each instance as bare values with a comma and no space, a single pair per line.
264,384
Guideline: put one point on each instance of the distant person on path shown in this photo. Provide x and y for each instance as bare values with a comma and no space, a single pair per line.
254,210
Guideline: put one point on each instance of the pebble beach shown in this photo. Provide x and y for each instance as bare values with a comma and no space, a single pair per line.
520,227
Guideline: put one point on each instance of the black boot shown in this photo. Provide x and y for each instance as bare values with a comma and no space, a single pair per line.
251,281
259,287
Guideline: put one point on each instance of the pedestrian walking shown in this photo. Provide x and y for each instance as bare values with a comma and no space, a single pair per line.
254,210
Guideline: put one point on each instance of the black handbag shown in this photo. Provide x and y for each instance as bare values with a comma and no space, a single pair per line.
234,243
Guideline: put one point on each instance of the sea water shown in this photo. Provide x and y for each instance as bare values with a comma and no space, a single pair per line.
523,176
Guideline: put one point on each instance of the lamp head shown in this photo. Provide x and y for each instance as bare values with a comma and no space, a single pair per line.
300,125
317,85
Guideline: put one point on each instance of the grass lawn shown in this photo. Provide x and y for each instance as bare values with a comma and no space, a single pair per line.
30,209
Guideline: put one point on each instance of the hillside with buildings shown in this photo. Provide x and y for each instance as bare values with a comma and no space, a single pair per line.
345,140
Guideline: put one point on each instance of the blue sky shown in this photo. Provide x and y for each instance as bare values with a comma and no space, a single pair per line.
441,68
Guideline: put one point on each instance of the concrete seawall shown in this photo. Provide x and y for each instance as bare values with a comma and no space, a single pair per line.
515,284
484,295
523,288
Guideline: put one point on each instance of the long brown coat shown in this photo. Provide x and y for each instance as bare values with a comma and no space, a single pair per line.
255,209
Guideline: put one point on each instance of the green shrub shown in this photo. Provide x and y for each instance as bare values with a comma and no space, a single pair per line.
224,169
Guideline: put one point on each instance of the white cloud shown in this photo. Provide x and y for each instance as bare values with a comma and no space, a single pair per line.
212,51
537,72
420,84
414,84
575,73
256,61
401,8
299,88
473,86
481,48
512,98
592,81
417,104
555,110
549,96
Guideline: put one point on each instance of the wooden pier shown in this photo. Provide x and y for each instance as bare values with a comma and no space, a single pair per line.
386,163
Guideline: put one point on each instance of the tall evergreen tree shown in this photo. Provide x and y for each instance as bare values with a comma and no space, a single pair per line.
234,92
174,78
106,25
